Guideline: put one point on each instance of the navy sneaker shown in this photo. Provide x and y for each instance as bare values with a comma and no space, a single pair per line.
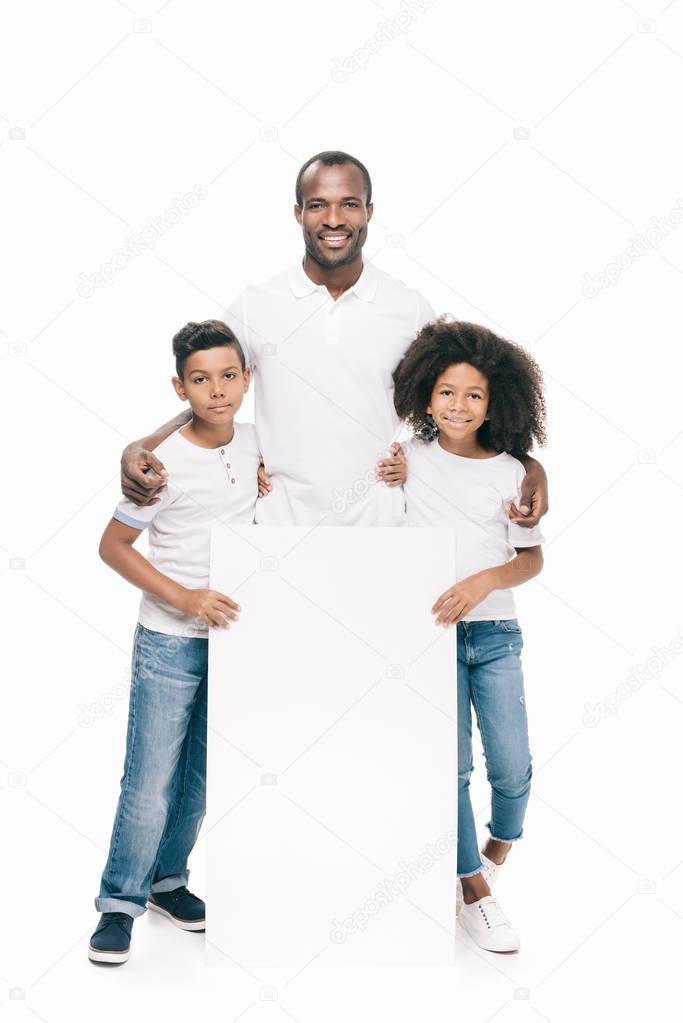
110,942
181,907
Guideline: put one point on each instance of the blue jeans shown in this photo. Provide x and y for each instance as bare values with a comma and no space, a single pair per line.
490,680
163,789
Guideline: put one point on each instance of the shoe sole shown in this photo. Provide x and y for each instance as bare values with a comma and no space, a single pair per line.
96,955
185,925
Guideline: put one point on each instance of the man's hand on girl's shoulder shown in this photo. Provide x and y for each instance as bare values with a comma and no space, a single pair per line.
393,470
533,502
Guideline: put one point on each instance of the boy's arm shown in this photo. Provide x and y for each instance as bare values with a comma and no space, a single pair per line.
117,551
460,599
137,456
534,494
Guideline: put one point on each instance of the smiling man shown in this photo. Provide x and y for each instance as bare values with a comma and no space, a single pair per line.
323,339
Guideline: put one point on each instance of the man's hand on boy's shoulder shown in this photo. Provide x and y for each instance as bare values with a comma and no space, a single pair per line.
264,484
393,470
142,475
533,502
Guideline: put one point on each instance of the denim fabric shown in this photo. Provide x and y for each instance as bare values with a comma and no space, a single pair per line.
163,789
490,680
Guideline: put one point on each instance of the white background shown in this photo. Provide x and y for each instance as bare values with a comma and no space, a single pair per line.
111,110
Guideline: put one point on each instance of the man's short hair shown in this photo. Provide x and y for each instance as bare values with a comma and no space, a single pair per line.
197,337
332,158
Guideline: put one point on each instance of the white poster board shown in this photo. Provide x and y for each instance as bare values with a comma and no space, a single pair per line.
332,753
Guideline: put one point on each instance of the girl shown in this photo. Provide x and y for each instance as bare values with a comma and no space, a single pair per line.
475,403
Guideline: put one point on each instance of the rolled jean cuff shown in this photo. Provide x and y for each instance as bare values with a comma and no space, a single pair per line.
497,838
119,906
472,873
167,884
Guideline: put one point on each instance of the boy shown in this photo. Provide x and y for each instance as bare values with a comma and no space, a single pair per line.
213,464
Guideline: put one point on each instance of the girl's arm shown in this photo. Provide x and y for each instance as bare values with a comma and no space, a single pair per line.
460,599
117,551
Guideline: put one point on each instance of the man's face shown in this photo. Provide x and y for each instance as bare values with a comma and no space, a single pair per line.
334,216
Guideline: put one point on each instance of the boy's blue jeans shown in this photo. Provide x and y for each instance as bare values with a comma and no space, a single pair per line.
490,680
163,789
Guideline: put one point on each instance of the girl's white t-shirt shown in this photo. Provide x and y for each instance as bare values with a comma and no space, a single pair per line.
470,495
205,486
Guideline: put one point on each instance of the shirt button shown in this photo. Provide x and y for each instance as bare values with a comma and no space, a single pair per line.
222,451
228,464
232,480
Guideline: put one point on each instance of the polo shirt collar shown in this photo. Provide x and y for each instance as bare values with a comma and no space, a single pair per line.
365,287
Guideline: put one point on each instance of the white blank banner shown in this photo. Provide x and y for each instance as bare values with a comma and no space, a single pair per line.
332,758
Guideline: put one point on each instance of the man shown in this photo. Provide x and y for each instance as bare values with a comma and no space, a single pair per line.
323,339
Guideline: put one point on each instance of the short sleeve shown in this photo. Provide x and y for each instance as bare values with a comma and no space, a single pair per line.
131,514
235,317
425,313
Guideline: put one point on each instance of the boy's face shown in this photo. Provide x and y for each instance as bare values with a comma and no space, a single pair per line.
213,383
460,401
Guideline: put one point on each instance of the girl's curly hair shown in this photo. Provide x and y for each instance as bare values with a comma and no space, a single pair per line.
516,403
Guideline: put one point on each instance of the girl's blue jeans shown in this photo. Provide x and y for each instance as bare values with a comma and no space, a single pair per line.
490,680
163,789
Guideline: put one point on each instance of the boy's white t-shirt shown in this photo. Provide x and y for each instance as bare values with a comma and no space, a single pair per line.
205,486
470,495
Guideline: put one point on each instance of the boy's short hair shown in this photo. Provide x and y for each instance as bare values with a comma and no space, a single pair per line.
197,337
517,413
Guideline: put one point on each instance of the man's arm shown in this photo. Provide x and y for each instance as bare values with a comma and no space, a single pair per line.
460,599
533,502
137,456
117,551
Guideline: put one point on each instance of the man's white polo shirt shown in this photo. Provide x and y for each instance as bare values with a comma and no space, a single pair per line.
324,393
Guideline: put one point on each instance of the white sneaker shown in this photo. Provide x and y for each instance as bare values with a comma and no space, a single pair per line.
459,898
490,869
487,925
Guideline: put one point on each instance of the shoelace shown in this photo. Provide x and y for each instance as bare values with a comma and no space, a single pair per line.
493,915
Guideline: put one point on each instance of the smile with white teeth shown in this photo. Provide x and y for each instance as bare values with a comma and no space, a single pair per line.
335,237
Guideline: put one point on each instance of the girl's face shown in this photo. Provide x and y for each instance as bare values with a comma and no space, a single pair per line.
460,401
